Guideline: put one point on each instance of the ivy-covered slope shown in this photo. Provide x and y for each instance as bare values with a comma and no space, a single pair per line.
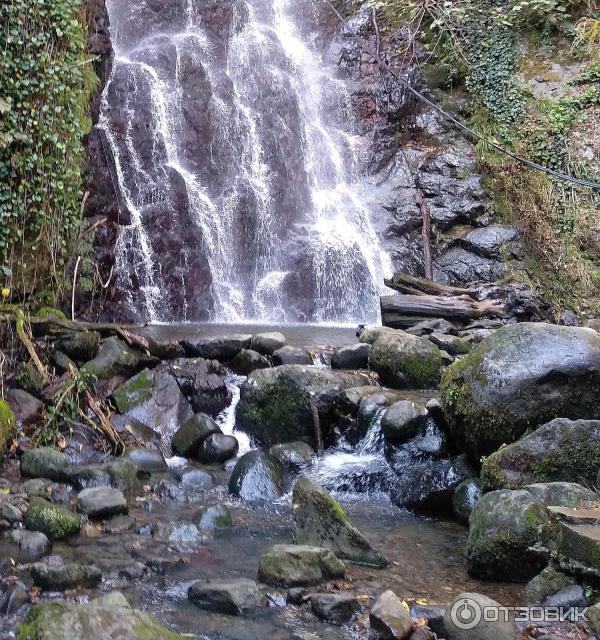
46,80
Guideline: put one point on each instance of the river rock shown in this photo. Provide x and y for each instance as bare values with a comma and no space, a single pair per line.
370,335
335,608
28,409
465,497
429,486
101,502
54,522
522,376
355,356
62,362
291,355
147,460
27,377
562,450
218,448
15,597
402,421
234,597
79,345
110,617
246,361
189,436
268,343
290,565
31,543
406,361
545,584
466,609
293,455
115,358
454,345
319,520
505,525
119,473
179,532
278,405
203,383
213,518
220,348
51,576
257,477
196,479
44,462
389,618
154,399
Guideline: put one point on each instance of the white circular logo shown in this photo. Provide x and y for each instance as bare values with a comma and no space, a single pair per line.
465,613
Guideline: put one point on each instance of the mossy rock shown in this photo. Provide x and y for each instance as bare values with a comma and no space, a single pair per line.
193,432
106,618
546,583
28,378
8,426
135,391
521,376
45,313
505,526
116,358
404,361
45,462
320,521
79,345
277,405
54,522
292,565
562,450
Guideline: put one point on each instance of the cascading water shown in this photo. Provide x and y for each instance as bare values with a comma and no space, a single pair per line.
236,160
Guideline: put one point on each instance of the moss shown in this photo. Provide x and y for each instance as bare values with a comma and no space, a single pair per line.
27,377
135,392
31,627
50,312
56,523
8,425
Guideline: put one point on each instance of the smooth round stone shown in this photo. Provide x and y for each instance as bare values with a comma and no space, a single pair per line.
196,479
218,448
101,502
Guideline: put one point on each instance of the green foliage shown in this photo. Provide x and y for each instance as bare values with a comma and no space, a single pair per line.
45,84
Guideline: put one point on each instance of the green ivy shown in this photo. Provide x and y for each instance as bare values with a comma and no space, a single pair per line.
45,85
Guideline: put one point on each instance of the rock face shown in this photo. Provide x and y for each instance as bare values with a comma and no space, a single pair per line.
389,618
290,565
116,358
246,361
257,477
465,497
465,619
518,378
267,343
30,543
279,404
218,448
44,462
293,455
54,522
319,520
234,597
79,345
506,524
405,361
545,584
220,348
109,616
562,450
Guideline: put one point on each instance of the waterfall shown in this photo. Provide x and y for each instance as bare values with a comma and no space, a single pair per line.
237,157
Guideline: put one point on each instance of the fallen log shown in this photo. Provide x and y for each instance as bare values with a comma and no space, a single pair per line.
405,283
396,310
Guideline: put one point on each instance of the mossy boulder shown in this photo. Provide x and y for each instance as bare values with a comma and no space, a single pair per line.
320,521
292,565
189,436
547,583
116,358
27,377
45,462
79,345
505,525
52,576
562,450
465,498
404,361
278,405
120,473
8,426
54,522
521,376
106,618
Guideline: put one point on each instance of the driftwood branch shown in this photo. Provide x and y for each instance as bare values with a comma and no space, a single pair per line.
24,338
405,283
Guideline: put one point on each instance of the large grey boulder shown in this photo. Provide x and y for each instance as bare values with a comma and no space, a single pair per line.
218,448
405,361
234,597
403,420
154,399
257,477
247,361
291,565
101,502
119,473
521,376
115,358
320,521
31,543
291,355
355,356
562,450
190,435
54,575
505,526
220,348
466,619
279,404
268,343
109,617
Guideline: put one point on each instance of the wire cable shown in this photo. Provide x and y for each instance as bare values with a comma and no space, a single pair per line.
559,175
